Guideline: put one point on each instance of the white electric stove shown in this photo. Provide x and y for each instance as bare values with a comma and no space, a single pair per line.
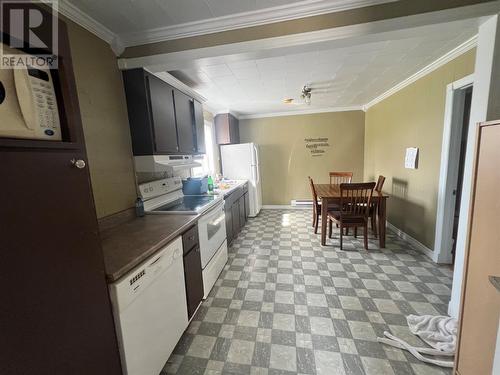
165,196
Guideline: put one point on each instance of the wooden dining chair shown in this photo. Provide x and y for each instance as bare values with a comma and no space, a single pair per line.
337,178
316,206
355,200
374,205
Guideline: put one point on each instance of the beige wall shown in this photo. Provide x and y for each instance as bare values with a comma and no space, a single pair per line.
413,117
105,122
285,161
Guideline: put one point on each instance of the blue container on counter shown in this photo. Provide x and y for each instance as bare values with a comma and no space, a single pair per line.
195,186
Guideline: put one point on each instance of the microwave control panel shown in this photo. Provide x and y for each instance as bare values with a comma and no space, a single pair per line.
47,113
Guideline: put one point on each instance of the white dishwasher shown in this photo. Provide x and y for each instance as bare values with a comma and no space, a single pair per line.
149,306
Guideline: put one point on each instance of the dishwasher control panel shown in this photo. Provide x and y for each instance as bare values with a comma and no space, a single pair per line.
124,291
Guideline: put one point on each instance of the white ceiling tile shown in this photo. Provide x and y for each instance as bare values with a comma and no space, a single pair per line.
245,64
182,11
262,4
219,70
246,73
351,75
226,7
226,80
272,63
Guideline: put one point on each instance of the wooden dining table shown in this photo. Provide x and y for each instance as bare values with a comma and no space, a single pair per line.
330,194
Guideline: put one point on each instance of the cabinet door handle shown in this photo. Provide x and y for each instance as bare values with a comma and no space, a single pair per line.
78,163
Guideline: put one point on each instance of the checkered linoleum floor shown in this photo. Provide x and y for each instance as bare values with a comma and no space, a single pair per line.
286,305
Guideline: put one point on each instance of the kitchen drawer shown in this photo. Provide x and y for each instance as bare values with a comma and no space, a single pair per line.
190,239
194,280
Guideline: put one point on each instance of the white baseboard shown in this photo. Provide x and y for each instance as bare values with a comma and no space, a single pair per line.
284,207
412,241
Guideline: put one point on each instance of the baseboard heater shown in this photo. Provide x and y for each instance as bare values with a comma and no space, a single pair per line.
301,202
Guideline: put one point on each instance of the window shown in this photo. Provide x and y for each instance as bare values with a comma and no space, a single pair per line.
207,160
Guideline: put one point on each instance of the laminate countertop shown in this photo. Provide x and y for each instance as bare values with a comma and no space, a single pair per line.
232,186
128,244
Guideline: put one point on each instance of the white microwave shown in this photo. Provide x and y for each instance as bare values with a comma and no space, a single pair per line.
28,104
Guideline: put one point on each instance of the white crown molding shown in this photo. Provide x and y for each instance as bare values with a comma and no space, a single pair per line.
179,85
226,110
301,112
84,20
209,108
245,19
454,53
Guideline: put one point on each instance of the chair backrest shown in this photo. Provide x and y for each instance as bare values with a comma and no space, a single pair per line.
355,198
380,184
337,178
313,191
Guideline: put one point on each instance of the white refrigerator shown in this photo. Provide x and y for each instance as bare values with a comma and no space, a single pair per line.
241,162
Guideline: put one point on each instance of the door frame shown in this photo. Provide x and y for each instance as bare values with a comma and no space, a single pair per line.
448,174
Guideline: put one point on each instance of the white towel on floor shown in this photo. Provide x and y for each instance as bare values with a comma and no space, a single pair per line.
440,332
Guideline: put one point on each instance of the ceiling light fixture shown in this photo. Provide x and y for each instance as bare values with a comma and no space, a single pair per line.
288,100
306,94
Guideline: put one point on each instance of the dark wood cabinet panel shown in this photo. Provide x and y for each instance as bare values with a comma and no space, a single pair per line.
235,211
139,113
163,116
226,129
199,124
194,279
192,269
184,119
241,203
247,205
234,129
58,317
163,120
190,239
229,223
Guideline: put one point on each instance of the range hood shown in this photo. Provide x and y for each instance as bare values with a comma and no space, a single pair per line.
164,163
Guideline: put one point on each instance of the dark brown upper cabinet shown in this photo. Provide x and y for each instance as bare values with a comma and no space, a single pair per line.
163,120
184,119
226,129
163,116
199,124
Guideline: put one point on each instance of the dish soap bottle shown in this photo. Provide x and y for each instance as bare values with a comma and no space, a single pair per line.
139,207
210,184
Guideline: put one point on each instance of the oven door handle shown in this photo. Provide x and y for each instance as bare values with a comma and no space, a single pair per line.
211,223
213,215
